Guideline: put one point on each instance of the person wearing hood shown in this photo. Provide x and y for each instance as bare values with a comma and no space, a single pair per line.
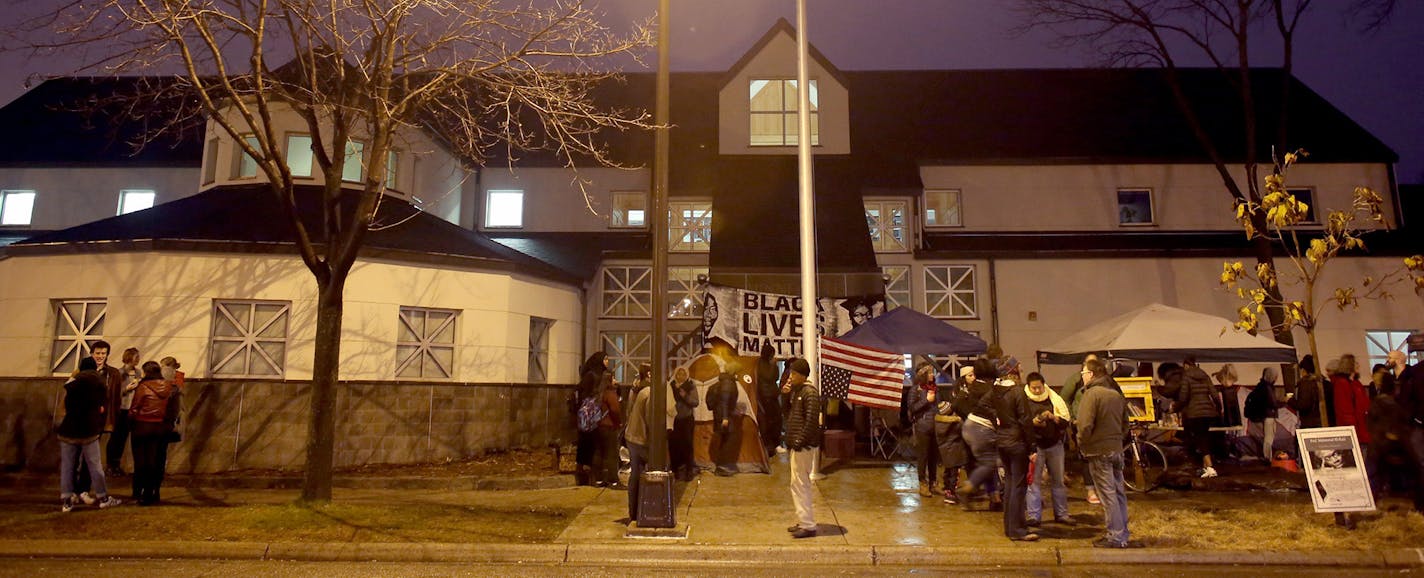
84,407
768,409
154,412
1050,427
1200,408
591,376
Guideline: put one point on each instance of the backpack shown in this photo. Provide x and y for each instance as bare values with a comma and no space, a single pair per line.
590,412
1258,407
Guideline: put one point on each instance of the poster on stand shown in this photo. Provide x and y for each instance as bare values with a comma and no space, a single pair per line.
1335,470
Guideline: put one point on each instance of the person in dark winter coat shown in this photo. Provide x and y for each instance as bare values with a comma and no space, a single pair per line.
1197,402
154,412
953,453
1050,427
726,423
921,412
1102,424
1308,391
803,436
85,401
768,411
684,393
1388,456
978,432
1015,440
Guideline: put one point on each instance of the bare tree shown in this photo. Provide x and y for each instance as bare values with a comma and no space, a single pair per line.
1164,33
480,76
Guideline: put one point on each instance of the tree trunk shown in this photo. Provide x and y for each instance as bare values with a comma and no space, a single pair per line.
321,431
1319,378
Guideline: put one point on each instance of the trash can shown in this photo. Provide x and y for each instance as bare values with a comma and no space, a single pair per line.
655,500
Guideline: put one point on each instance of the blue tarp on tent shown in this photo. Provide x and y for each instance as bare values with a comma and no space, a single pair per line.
904,330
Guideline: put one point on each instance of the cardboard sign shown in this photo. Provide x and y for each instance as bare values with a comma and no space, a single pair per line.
1335,470
748,320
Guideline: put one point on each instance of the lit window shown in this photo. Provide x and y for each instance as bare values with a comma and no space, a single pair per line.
1306,196
16,207
299,155
689,226
629,209
1379,343
246,165
131,200
249,338
352,165
685,292
425,346
77,324
886,221
942,209
1134,207
539,349
773,113
392,169
210,161
504,209
950,291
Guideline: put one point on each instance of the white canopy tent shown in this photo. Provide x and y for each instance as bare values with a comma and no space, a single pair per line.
1160,333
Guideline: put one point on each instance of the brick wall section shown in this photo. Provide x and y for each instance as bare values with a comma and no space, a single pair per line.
241,424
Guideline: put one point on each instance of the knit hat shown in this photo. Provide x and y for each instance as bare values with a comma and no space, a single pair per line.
964,371
800,366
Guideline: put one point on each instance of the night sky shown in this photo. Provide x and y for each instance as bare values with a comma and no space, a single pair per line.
1376,78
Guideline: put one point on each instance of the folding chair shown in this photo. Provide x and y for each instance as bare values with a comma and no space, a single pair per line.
884,442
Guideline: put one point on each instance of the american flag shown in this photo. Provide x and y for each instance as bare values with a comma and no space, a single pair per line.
862,375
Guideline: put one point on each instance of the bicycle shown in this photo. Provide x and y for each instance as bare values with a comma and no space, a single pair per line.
1144,462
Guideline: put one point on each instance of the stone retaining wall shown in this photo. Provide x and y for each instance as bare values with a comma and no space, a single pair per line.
242,424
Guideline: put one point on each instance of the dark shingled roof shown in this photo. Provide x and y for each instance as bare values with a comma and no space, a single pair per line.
248,218
87,122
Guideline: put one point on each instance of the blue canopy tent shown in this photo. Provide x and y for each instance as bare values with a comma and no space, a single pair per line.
904,330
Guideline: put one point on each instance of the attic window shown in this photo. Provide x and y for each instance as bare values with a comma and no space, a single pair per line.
1134,207
504,209
773,113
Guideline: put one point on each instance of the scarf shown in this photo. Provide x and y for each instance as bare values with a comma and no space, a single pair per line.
1060,408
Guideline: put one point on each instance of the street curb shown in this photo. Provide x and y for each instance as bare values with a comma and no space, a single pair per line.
703,554
681,553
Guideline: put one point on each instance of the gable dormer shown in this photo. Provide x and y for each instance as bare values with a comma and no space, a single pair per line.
757,102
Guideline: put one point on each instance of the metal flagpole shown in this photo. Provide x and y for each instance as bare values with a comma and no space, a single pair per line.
808,210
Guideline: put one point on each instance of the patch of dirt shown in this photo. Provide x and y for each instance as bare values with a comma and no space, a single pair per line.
515,463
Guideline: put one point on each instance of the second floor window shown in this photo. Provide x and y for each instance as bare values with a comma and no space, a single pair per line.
942,209
897,286
504,209
353,164
629,209
950,292
689,225
627,291
1306,196
16,207
131,200
886,220
245,167
773,113
1134,207
299,155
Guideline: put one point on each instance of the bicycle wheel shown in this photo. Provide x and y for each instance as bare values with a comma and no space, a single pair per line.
1143,467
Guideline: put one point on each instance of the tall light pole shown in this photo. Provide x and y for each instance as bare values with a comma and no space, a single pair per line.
806,178
655,489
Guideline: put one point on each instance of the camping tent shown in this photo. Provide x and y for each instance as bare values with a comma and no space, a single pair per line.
1161,333
904,330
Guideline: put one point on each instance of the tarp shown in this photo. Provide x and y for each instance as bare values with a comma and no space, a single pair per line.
904,330
1160,333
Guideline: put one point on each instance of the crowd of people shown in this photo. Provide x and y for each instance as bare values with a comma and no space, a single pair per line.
137,406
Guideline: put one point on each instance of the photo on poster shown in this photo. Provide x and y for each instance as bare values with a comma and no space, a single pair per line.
1334,470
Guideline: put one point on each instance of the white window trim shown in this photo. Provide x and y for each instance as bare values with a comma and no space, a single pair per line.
1314,205
5,206
924,213
249,340
426,343
621,292
489,196
614,216
539,348
75,333
895,275
1151,202
623,362
684,294
210,161
938,292
887,242
239,156
679,228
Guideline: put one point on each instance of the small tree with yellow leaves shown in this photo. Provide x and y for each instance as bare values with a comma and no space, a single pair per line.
1309,253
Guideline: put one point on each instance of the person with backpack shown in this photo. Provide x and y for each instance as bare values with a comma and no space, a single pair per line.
154,412
610,431
587,411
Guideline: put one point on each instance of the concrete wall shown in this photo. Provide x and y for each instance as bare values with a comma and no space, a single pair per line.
162,303
244,424
1084,197
68,196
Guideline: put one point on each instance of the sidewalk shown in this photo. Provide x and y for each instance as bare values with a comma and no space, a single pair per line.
869,515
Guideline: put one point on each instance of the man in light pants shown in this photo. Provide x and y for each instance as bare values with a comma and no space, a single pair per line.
803,437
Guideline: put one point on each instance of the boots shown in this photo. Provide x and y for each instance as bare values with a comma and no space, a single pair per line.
925,490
